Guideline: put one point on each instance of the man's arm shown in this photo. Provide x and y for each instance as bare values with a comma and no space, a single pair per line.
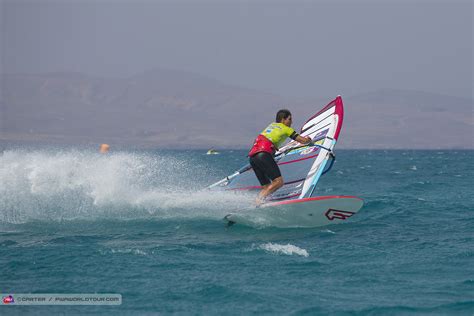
299,138
303,140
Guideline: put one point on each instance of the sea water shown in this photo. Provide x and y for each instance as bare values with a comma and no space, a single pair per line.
137,223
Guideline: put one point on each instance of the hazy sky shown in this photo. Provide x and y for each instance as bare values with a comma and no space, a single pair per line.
292,48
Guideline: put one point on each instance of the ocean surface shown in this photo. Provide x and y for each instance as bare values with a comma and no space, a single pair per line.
137,223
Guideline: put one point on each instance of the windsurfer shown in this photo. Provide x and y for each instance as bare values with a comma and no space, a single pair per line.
263,150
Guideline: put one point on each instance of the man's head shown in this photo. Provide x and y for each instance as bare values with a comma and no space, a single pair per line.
284,116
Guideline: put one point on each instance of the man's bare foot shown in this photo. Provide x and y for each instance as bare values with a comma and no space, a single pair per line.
259,201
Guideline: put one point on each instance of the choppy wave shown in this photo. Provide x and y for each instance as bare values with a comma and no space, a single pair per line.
72,184
133,251
287,249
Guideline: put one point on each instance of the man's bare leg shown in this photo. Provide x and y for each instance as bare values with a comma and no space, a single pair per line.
269,189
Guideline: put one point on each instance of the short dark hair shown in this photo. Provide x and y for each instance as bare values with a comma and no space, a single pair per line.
282,114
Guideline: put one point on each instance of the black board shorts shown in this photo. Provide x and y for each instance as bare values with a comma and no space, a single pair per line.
265,167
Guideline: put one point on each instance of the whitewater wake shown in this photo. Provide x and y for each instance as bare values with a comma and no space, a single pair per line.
73,184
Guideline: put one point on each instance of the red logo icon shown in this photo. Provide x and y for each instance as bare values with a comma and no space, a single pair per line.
332,214
8,299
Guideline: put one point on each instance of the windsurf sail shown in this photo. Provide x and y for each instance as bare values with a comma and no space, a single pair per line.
301,165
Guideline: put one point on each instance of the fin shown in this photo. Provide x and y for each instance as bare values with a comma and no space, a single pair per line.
229,222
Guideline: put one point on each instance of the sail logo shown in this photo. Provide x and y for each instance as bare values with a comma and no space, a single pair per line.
8,299
307,150
332,214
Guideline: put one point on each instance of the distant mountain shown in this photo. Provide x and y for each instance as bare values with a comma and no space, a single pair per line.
408,119
167,108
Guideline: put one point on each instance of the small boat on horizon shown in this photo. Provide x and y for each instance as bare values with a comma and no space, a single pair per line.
212,152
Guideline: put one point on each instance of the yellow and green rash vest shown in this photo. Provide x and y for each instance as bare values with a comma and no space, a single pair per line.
277,133
270,139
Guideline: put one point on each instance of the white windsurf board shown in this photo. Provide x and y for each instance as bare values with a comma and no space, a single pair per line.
306,212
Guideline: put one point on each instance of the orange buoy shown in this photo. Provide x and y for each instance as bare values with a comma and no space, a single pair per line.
104,148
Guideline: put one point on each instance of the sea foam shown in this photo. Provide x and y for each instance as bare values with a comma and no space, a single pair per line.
287,249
